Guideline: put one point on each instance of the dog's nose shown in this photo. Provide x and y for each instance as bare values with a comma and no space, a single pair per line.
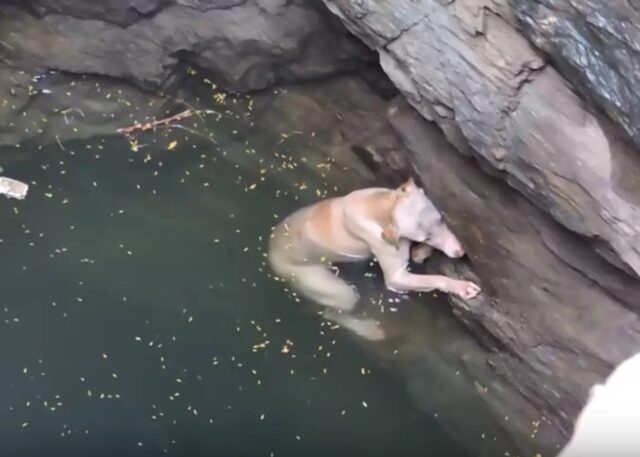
459,252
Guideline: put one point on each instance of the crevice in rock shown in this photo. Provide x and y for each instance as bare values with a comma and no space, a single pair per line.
402,31
203,7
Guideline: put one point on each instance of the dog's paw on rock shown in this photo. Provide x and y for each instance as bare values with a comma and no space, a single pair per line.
465,289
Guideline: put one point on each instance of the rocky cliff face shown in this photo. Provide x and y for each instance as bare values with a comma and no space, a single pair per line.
562,298
596,45
245,44
539,173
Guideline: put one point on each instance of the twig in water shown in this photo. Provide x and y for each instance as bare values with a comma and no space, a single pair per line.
188,105
178,126
154,124
59,142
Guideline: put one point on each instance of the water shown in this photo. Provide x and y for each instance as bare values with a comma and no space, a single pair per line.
138,317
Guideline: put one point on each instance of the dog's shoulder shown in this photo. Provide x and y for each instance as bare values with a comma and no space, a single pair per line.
373,204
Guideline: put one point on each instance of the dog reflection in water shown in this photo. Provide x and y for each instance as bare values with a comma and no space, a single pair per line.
378,222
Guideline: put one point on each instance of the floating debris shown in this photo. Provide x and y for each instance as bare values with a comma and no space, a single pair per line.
13,188
150,125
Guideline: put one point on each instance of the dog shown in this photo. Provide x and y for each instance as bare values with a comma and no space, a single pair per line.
609,424
377,222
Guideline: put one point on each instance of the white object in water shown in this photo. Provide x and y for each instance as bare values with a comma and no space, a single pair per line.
13,188
609,424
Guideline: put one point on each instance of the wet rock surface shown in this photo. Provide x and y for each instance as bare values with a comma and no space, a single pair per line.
596,45
119,12
247,45
464,66
556,249
551,331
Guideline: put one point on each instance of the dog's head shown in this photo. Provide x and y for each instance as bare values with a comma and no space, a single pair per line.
414,217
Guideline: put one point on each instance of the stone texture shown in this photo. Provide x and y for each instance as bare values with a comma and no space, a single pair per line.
548,317
557,251
446,373
596,45
247,45
120,12
463,65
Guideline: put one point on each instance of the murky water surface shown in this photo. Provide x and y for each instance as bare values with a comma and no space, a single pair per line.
138,317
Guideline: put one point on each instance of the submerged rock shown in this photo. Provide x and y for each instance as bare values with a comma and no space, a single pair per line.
53,107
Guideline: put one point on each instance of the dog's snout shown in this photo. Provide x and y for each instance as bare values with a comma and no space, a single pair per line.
459,253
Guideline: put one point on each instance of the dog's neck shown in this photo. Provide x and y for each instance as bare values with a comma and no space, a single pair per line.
382,207
381,212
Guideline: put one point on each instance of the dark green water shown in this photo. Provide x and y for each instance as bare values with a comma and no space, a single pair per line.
138,317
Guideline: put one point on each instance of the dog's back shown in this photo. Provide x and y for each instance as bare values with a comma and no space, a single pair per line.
319,233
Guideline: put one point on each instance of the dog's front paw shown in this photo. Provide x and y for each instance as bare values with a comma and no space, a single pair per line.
464,289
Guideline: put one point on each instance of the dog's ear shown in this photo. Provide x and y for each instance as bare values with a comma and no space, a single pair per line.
408,185
391,236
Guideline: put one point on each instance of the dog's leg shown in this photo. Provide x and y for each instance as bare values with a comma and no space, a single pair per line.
393,262
319,284
405,281
362,326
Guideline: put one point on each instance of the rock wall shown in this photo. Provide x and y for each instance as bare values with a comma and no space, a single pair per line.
464,66
548,325
246,44
547,201
596,45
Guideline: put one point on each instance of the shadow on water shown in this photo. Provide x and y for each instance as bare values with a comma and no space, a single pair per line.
138,317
